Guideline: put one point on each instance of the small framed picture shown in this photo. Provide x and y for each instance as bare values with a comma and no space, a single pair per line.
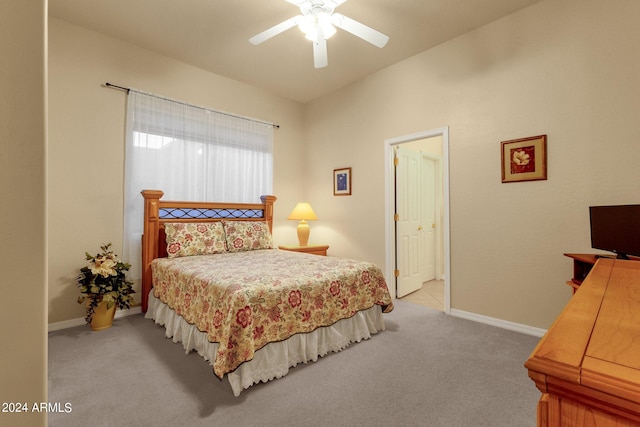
524,159
342,182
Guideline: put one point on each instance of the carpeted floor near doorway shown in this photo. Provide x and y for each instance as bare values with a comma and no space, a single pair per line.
426,369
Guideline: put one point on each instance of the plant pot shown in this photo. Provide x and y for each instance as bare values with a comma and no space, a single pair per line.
102,317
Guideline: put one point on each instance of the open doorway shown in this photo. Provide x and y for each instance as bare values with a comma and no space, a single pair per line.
417,238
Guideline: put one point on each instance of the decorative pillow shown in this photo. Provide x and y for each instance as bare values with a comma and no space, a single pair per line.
186,239
247,235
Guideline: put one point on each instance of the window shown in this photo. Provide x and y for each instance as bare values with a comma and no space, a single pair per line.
190,153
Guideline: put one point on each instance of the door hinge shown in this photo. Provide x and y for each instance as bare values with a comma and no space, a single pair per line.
396,161
396,217
396,273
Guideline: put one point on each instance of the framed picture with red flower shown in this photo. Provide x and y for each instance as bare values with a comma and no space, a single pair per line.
524,159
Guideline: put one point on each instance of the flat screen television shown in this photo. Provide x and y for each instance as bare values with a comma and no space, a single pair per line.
616,229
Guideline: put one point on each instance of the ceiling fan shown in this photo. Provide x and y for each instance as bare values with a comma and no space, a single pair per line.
318,21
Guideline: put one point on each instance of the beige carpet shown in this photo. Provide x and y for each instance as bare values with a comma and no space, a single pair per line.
426,369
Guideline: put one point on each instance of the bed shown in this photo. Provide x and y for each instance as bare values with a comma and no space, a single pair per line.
213,279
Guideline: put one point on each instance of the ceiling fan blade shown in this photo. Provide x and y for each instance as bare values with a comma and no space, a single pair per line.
275,30
320,58
360,30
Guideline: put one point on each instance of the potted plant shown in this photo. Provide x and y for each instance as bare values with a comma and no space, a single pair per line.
104,286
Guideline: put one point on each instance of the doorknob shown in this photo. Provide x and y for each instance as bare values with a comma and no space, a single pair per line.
419,227
433,226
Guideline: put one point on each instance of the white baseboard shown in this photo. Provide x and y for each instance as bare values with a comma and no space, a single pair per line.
517,327
56,326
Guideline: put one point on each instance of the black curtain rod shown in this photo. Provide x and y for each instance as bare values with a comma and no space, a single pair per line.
126,89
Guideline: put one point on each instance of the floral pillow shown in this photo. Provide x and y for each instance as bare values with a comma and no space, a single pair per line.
247,235
186,239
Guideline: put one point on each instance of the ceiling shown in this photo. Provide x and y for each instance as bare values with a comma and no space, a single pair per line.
213,35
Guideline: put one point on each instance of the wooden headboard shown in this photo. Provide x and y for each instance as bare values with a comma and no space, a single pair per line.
158,212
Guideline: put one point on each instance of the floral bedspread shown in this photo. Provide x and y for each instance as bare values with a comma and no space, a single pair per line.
246,300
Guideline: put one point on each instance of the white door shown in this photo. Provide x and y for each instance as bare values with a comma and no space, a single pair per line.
442,247
409,215
429,222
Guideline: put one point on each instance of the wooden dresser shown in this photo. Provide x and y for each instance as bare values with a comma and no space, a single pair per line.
587,365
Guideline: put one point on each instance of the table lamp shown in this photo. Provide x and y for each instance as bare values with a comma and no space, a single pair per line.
303,213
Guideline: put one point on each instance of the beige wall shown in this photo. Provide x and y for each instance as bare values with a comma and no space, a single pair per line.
431,145
23,357
565,68
86,134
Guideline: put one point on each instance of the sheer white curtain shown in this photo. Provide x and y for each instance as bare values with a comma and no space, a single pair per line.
190,153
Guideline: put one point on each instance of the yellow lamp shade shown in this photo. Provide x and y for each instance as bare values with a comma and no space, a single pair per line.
303,213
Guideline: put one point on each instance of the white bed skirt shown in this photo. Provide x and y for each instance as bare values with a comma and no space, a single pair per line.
275,359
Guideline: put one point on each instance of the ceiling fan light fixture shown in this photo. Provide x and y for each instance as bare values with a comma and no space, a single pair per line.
317,26
318,22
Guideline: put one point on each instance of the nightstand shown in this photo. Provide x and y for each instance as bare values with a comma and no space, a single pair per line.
309,249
